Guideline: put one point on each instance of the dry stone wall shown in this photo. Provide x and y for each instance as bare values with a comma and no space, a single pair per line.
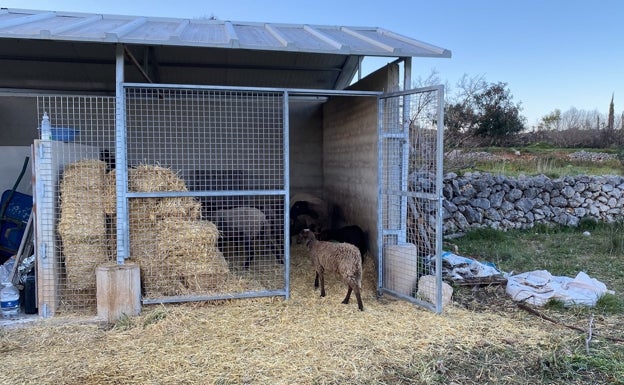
486,200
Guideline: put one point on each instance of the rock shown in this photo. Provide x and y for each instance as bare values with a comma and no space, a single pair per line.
427,290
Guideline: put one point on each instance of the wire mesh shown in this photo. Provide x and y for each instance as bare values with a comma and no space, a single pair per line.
409,203
219,157
205,191
73,228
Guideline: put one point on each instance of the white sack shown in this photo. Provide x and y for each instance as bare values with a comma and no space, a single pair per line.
538,287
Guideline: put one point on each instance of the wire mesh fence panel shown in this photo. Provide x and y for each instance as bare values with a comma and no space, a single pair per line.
206,191
73,229
410,178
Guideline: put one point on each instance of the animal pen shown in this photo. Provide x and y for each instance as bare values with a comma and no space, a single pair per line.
176,146
195,152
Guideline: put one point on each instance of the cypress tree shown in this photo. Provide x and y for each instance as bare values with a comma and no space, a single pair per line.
611,121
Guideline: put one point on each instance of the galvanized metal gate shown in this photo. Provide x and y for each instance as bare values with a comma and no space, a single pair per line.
206,193
160,175
410,195
155,173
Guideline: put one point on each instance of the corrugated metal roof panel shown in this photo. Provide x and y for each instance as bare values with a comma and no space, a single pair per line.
253,36
365,41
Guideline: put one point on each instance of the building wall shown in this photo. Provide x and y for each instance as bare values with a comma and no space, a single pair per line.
18,120
306,147
350,137
18,129
11,162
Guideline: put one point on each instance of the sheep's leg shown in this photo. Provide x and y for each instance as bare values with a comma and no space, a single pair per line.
359,298
277,252
346,300
249,252
322,280
316,281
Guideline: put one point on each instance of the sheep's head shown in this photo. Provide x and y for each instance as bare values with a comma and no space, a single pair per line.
306,236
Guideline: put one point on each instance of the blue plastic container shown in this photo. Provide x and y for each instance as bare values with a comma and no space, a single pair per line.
13,222
64,134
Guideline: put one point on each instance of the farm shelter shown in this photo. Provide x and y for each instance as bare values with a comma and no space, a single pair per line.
159,127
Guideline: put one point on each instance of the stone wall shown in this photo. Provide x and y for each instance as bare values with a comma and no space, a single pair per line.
500,202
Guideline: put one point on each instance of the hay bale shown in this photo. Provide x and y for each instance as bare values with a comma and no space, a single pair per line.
159,278
175,251
148,178
82,223
81,260
177,256
82,201
78,300
186,239
90,172
188,247
110,193
179,207
203,276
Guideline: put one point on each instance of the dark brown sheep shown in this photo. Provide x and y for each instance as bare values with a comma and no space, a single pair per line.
340,258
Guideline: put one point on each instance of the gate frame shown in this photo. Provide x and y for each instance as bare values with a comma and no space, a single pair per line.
123,195
438,197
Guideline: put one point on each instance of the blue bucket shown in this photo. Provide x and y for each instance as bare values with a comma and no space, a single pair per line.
64,134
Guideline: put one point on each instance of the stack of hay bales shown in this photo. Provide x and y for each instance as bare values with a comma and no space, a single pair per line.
82,226
176,251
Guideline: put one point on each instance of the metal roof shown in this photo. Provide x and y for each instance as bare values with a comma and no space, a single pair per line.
240,53
368,41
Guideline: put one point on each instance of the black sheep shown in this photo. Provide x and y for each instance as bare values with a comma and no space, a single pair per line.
301,208
109,158
352,234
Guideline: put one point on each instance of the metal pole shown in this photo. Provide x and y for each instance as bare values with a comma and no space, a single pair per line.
121,172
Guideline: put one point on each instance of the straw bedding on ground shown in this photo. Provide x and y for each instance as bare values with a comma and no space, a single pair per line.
303,340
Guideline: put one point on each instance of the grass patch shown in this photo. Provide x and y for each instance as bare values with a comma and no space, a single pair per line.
539,159
610,304
552,167
124,323
562,251
155,316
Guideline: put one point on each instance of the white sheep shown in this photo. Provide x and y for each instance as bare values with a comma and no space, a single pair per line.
246,224
341,258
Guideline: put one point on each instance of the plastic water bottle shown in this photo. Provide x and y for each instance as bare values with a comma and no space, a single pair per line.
46,128
9,301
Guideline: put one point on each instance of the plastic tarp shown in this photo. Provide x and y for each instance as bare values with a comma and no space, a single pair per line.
539,286
458,268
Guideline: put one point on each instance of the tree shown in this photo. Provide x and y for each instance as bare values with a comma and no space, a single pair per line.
498,115
551,121
482,110
459,117
459,112
611,119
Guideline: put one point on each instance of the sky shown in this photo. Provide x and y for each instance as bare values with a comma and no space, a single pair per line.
552,54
